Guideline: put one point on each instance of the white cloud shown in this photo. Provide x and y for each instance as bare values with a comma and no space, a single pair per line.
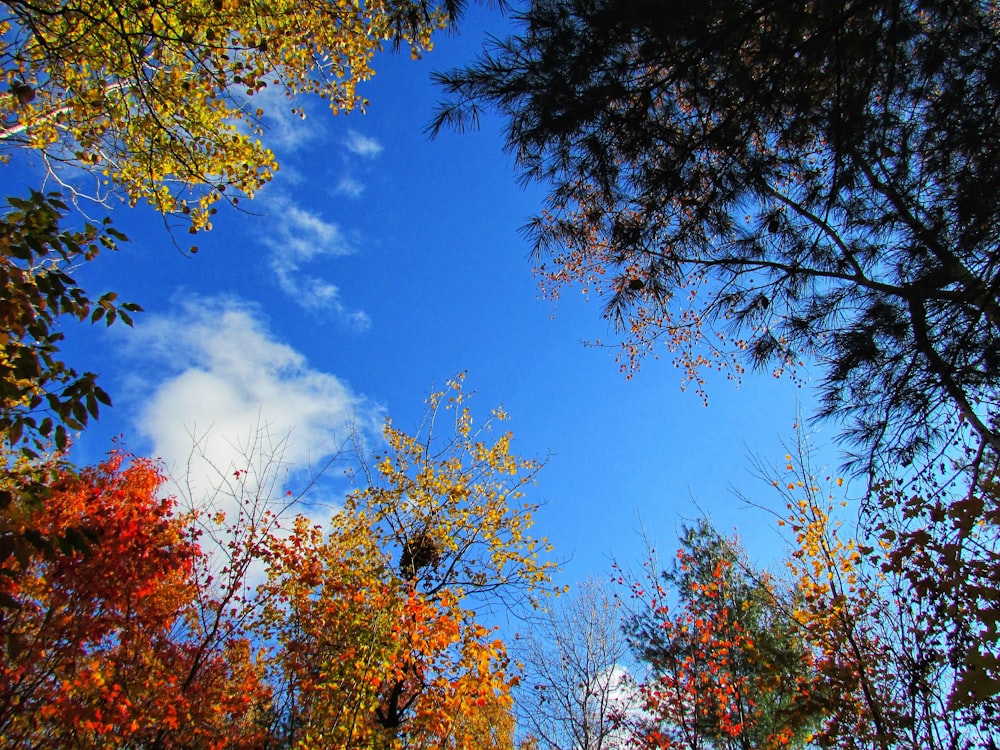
284,130
350,187
362,145
244,426
297,239
226,396
302,235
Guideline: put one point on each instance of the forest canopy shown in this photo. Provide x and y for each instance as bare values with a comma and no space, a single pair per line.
801,187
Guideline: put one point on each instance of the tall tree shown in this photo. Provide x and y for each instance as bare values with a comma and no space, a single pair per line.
102,644
379,641
575,686
725,654
228,626
773,182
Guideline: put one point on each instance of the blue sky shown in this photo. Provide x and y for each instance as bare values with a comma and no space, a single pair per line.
378,264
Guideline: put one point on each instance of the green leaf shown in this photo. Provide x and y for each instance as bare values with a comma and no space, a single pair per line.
92,405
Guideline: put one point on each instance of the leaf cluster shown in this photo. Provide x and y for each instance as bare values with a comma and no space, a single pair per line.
161,99
102,647
455,504
942,546
41,397
725,654
896,613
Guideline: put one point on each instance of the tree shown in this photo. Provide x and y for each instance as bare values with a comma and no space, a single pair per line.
377,643
725,654
942,544
102,645
575,686
42,398
899,615
157,99
773,182
365,661
490,726
227,626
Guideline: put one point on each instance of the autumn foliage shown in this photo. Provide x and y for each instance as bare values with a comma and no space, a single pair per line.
379,646
898,612
139,634
746,184
102,647
724,655
366,660
165,101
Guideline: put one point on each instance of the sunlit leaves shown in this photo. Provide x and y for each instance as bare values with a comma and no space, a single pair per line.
102,648
724,652
378,643
460,496
837,611
893,612
161,99
126,622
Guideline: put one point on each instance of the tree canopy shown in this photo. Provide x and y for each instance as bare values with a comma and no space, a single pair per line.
164,628
158,99
763,182
725,654
773,183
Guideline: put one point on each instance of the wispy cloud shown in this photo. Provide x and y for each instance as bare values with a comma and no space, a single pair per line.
362,145
297,240
285,130
350,187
